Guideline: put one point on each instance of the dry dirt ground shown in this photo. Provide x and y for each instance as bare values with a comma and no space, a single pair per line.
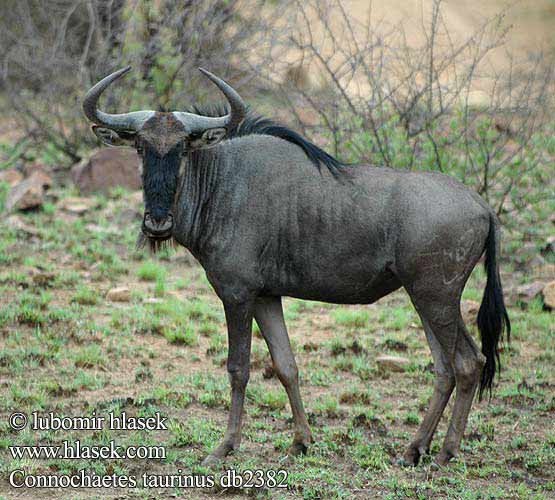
521,28
65,348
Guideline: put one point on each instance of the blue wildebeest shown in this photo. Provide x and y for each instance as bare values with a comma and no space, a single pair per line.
269,214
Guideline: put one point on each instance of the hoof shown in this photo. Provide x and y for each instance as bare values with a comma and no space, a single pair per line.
297,449
443,459
411,457
217,456
211,461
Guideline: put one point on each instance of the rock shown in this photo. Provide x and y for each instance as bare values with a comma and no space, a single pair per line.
548,270
106,169
549,246
26,195
95,228
77,205
42,177
469,311
39,171
119,294
528,292
269,371
11,176
548,295
152,300
15,222
42,278
392,363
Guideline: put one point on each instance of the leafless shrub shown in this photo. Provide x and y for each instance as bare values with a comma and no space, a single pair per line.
381,98
55,49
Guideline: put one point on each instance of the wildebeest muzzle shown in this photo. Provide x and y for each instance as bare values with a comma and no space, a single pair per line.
157,228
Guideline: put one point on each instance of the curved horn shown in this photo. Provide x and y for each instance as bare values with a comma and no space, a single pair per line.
238,109
125,121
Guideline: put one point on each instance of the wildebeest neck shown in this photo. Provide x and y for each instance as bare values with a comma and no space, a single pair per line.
194,220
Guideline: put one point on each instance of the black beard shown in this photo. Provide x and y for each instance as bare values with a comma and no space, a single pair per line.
154,244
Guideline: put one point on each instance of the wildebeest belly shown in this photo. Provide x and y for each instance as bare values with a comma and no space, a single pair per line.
355,280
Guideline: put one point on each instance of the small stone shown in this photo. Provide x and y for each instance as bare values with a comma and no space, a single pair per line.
269,371
549,246
548,295
42,278
26,195
119,294
29,193
11,176
153,300
528,292
77,205
469,311
392,363
15,222
548,270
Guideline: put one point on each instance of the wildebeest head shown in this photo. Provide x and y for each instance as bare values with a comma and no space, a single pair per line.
161,139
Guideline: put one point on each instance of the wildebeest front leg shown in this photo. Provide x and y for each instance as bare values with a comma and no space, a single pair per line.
268,313
239,328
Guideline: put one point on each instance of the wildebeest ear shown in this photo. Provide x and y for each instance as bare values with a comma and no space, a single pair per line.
113,138
209,138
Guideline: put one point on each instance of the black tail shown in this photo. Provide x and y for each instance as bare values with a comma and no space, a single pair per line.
492,316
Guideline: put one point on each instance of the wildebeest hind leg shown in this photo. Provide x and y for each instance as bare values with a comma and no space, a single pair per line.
268,313
468,364
444,385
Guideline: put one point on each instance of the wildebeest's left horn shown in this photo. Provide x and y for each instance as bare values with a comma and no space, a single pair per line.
238,109
125,121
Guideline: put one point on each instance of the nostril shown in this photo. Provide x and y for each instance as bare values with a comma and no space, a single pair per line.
158,225
158,216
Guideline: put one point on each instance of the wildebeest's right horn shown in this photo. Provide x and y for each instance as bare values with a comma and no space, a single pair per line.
125,121
238,109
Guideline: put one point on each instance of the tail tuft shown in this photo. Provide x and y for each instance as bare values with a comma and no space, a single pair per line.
492,316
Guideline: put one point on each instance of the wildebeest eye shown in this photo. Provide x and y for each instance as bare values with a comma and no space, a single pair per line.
139,147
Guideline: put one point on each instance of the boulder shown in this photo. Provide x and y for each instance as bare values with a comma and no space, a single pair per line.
26,195
469,311
119,294
392,363
548,295
106,169
11,176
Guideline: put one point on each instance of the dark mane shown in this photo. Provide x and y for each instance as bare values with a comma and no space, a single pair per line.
255,124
